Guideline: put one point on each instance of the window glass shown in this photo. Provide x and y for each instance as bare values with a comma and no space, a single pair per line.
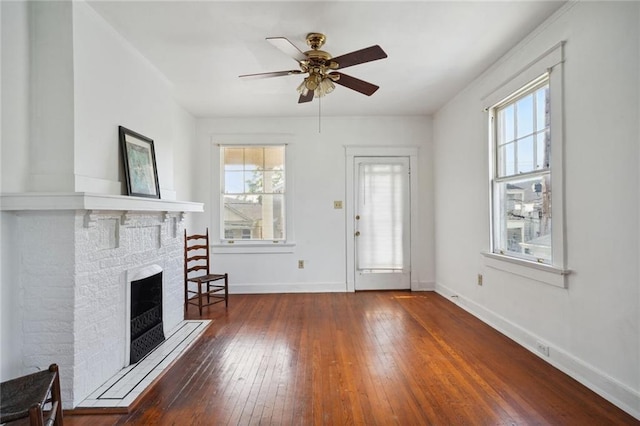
522,178
524,114
525,219
525,155
253,193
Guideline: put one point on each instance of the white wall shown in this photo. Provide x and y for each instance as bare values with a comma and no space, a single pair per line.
593,326
51,107
115,85
14,158
99,82
15,96
94,82
317,171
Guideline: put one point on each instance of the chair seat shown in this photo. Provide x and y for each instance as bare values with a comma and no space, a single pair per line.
19,396
207,278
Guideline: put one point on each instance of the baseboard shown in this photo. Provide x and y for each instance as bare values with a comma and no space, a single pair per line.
609,388
337,287
266,288
423,286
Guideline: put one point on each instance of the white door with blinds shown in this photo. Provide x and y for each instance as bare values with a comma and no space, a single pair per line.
382,223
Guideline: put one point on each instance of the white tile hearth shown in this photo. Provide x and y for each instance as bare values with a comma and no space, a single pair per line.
125,387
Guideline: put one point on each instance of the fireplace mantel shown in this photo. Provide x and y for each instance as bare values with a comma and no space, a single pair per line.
32,201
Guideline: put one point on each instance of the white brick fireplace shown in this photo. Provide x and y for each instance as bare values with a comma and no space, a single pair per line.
74,252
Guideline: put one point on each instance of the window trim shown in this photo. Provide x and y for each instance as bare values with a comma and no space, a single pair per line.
223,246
550,64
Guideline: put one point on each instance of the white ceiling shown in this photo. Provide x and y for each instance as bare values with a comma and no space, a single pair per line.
435,49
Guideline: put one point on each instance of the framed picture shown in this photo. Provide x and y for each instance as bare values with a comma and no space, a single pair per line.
140,170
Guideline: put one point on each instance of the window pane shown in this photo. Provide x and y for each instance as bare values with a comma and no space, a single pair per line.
524,118
274,181
509,160
253,182
253,158
254,217
234,182
523,222
233,158
274,158
525,155
272,217
240,216
509,124
542,154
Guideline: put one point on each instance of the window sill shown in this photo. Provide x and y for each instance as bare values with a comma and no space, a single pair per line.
547,274
253,248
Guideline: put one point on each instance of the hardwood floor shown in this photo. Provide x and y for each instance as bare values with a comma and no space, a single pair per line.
371,358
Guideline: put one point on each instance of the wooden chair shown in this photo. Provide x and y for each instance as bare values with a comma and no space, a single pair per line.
201,285
26,396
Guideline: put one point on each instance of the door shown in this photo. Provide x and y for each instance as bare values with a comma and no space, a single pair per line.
382,223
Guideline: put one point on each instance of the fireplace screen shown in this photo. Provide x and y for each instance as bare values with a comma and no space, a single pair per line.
146,316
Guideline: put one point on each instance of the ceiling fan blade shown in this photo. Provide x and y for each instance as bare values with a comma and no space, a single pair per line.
361,56
287,47
355,84
271,74
306,98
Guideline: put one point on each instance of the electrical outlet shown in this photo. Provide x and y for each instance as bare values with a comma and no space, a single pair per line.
300,264
479,279
542,348
337,204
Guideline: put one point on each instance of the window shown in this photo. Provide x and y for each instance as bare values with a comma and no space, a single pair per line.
526,134
253,193
522,173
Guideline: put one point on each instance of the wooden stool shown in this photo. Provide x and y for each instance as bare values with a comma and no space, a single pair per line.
26,396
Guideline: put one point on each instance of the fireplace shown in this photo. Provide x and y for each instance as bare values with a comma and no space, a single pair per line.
75,255
145,322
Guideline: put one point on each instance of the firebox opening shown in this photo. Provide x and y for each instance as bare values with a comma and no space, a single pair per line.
146,316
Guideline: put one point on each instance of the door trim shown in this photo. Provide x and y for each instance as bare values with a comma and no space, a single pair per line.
382,151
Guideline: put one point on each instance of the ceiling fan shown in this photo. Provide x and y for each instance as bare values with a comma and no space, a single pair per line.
322,68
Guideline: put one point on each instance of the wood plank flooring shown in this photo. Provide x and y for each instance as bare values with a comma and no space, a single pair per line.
370,358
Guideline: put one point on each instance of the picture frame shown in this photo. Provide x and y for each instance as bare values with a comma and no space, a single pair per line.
140,170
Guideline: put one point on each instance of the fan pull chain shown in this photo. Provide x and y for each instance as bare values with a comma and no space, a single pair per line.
319,115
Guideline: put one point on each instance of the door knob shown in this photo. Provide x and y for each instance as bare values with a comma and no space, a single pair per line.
357,233
357,217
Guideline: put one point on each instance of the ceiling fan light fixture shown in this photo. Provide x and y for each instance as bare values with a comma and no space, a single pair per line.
326,86
313,81
302,88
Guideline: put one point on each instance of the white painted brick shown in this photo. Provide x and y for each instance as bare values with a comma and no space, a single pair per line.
72,280
31,325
